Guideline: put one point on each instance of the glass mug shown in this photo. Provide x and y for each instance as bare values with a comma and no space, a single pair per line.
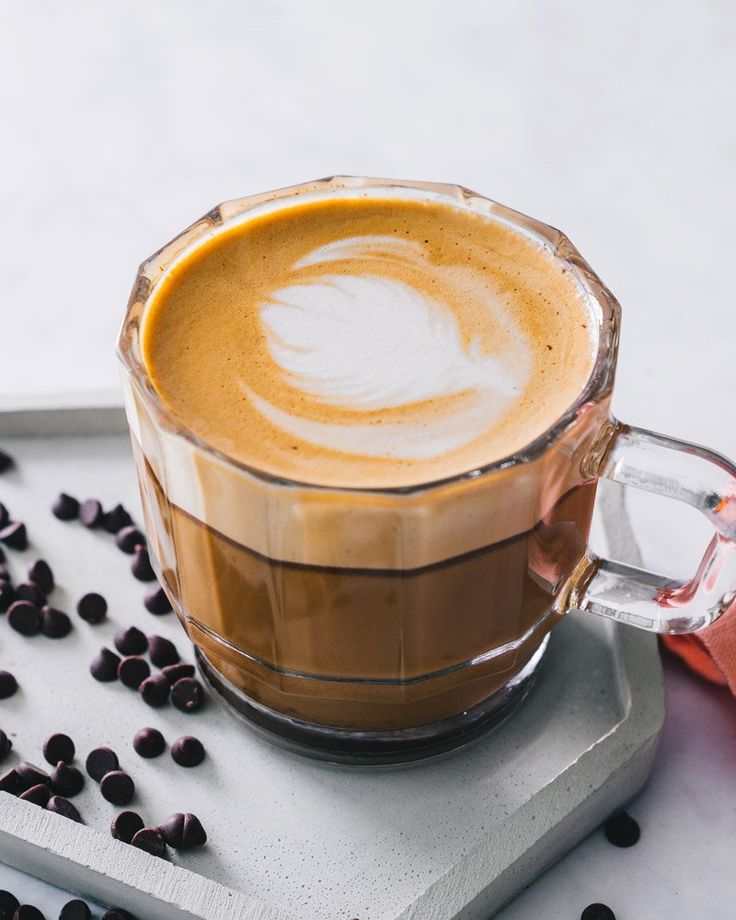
427,628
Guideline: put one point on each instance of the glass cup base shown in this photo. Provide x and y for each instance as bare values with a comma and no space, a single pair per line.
405,745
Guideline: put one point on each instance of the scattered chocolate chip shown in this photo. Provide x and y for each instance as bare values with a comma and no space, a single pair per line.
7,595
131,641
38,795
622,830
65,508
188,751
24,617
66,780
61,806
175,672
183,831
126,825
8,685
4,516
6,745
141,565
597,912
14,535
28,912
132,671
92,607
39,572
105,666
155,690
6,461
187,694
27,591
117,787
90,513
55,623
30,775
116,518
128,538
75,910
117,913
156,601
58,747
101,761
162,651
10,782
8,905
149,742
151,840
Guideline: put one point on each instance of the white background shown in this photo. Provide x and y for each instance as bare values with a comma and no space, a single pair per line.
120,124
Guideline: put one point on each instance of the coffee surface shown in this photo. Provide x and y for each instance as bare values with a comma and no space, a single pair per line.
368,342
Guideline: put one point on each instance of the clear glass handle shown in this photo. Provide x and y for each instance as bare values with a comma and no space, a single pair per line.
688,473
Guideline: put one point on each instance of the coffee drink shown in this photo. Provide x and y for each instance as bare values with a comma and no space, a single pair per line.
336,370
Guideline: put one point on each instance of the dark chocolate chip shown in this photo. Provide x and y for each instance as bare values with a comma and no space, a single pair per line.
622,830
28,912
187,694
14,535
175,672
149,742
75,910
101,761
128,538
58,747
116,518
117,913
38,795
92,607
597,912
162,651
183,831
55,623
6,461
156,601
155,690
105,666
188,751
39,572
61,806
131,641
90,513
8,905
132,671
65,508
67,781
7,595
117,787
10,782
30,775
6,745
151,840
4,516
126,825
24,617
8,685
27,591
141,565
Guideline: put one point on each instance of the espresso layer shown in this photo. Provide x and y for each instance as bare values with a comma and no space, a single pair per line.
368,341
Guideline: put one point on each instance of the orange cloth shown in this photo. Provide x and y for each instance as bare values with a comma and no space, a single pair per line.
711,653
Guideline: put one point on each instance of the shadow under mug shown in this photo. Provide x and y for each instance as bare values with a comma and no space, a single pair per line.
382,625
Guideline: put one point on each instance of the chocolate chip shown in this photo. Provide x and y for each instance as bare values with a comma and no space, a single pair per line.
116,518
117,787
67,781
597,912
14,535
117,913
175,672
38,794
27,591
149,742
131,641
10,782
90,513
6,745
7,595
8,905
126,825
55,623
65,508
58,747
61,806
151,840
188,751
8,685
105,666
622,830
24,617
4,515
101,761
92,607
155,690
132,671
187,694
128,538
39,572
75,910
156,601
162,651
141,565
28,912
183,831
6,461
30,775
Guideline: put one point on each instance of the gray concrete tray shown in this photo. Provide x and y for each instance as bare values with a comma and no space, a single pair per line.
291,838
